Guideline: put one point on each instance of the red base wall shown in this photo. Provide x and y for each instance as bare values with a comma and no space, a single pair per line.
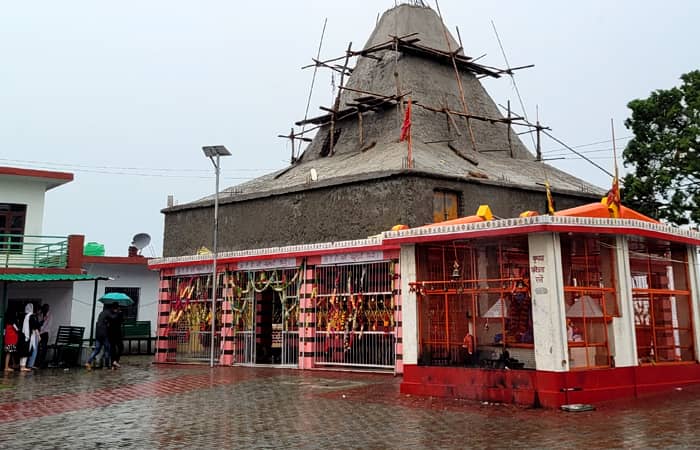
546,389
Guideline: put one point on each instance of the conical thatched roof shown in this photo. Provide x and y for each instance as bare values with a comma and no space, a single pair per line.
369,148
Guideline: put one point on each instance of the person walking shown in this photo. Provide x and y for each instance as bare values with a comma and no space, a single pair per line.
116,335
102,339
45,321
30,332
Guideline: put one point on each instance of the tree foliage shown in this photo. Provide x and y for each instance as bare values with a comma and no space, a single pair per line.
665,182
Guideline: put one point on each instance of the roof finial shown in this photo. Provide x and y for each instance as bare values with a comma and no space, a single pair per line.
420,3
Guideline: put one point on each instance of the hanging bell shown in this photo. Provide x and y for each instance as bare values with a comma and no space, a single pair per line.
455,271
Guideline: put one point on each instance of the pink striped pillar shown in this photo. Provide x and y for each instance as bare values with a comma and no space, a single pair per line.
398,324
226,358
307,321
165,346
258,324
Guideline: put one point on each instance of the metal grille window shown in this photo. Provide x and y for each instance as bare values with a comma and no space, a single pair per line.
474,304
662,301
588,265
130,312
190,318
354,309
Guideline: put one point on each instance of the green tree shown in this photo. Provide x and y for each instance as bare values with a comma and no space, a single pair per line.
665,182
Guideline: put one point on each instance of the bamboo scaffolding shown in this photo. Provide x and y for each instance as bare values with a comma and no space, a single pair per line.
408,44
336,105
458,76
340,69
296,155
368,104
389,101
451,146
473,116
411,46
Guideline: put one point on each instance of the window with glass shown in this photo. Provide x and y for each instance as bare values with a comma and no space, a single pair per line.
590,294
474,304
662,303
12,221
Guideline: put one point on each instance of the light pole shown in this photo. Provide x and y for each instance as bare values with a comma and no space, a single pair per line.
211,152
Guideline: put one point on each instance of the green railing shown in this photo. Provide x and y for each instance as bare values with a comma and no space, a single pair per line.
22,250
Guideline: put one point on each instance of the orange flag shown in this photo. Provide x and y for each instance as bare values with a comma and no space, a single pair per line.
613,201
406,127
550,199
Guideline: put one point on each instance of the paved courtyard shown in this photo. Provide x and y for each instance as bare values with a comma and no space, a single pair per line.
148,406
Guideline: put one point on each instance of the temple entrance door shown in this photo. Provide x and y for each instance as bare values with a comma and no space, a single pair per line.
265,350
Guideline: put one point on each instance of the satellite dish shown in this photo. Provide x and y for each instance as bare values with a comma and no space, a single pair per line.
141,240
314,175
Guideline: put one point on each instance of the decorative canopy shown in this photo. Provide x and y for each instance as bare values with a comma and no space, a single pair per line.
497,311
601,210
584,306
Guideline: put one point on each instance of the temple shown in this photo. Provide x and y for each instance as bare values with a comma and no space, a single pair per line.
362,255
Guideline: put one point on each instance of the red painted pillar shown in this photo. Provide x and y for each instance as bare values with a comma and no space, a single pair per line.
307,321
74,259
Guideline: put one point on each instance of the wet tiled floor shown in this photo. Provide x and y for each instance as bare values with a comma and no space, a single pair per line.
147,406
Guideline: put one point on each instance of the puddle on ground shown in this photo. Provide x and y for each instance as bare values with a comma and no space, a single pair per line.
323,383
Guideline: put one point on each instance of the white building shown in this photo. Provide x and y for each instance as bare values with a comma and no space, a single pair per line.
40,269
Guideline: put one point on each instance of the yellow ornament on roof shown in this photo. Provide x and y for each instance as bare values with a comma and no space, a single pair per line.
484,212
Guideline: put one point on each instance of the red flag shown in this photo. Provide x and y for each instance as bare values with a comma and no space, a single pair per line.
406,127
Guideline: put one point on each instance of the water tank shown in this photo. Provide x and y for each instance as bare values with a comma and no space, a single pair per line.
94,249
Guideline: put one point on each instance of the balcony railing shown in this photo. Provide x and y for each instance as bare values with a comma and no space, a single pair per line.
26,251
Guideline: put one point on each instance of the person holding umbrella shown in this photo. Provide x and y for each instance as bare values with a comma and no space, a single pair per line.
116,338
109,329
102,339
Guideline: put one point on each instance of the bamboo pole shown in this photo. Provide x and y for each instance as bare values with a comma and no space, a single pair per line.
311,89
459,78
510,141
336,106
410,133
359,125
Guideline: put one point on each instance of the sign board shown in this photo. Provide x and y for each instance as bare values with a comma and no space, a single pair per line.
343,258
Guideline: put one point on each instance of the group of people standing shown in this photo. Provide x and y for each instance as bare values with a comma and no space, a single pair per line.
27,339
108,338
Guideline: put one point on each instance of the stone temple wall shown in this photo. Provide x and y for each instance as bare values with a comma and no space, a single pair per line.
342,212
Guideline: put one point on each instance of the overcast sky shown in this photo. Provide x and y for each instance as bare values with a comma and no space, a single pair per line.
125,94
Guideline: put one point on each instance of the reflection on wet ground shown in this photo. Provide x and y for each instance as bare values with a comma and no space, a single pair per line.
147,406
